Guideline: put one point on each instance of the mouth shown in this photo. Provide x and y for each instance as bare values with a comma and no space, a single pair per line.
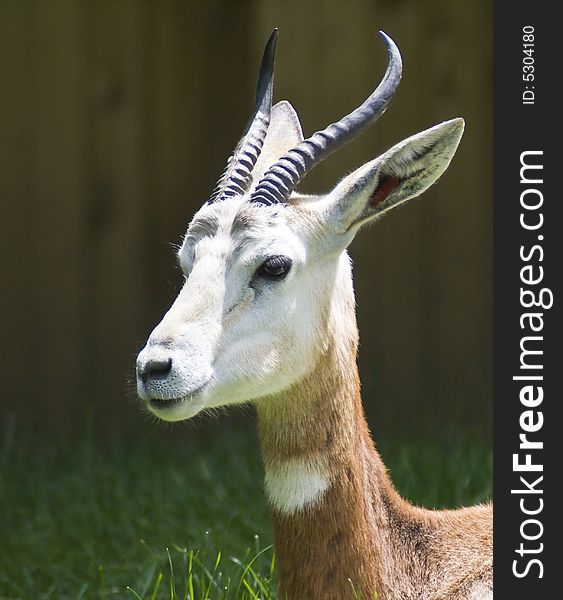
176,409
166,403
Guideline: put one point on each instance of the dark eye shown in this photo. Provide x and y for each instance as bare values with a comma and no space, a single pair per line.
275,267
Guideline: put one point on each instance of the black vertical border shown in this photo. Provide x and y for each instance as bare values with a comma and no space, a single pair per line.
518,128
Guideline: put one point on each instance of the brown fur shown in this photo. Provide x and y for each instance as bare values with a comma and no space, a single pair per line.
361,532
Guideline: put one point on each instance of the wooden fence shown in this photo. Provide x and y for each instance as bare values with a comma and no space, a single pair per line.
116,118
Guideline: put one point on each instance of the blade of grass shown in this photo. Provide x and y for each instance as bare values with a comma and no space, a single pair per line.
243,576
172,583
132,591
156,586
191,575
212,577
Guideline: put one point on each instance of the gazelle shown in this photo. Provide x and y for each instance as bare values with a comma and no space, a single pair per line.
266,314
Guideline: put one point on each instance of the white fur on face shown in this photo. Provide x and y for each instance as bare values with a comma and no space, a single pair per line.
232,336
296,484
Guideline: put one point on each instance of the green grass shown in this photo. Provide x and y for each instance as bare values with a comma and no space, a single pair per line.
177,513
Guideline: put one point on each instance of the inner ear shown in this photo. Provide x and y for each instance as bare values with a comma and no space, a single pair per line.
387,184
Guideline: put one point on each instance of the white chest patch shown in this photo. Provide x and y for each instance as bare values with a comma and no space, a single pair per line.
297,484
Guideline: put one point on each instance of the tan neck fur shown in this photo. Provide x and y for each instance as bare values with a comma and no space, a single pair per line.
356,530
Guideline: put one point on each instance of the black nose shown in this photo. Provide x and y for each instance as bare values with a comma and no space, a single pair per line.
155,370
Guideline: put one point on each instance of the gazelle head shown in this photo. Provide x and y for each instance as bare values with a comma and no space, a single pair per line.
267,276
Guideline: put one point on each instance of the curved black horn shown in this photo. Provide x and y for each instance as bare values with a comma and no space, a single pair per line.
236,177
282,178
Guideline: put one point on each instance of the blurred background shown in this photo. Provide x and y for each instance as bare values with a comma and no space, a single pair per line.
116,119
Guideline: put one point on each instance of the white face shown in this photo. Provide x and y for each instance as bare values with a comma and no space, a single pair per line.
246,322
265,284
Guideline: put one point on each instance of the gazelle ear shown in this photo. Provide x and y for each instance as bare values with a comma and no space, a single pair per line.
403,172
284,133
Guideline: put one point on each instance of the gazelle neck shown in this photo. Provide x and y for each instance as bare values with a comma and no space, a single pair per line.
324,478
308,429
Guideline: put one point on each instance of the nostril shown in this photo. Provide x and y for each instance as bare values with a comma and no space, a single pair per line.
155,369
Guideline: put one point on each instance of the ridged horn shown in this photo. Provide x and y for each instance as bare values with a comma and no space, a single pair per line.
282,178
236,177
